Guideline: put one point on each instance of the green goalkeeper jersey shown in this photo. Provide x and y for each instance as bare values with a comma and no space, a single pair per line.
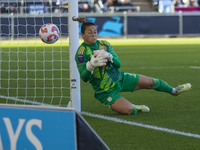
102,78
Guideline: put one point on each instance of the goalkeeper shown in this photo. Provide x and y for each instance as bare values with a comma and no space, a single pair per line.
99,65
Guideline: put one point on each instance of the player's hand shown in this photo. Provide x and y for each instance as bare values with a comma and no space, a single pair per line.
97,60
106,54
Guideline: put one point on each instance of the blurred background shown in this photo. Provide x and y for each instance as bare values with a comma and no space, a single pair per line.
131,18
100,6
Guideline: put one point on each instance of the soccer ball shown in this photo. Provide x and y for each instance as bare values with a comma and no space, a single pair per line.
49,33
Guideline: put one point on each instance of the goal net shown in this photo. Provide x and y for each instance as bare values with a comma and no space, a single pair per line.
33,72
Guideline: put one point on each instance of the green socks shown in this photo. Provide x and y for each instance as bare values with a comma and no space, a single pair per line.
160,85
134,111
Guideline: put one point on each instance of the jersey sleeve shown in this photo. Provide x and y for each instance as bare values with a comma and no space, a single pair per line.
116,60
81,60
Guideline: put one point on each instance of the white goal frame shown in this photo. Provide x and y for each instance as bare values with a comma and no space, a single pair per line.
73,34
73,46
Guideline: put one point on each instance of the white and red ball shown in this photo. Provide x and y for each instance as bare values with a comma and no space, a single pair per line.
49,33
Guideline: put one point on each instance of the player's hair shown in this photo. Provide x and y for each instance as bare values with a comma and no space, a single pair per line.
84,22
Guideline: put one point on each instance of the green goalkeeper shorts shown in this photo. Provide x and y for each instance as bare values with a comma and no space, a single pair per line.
127,83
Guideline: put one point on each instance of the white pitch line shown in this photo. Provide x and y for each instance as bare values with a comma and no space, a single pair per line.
113,119
141,125
173,67
195,67
25,101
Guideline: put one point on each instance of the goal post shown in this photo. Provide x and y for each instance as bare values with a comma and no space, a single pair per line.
33,72
73,46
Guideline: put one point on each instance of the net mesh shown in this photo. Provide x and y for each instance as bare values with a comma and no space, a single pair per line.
33,72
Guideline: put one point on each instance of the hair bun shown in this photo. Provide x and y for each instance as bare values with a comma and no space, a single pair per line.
79,19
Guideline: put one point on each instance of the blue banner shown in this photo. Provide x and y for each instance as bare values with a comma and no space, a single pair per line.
22,128
153,25
107,26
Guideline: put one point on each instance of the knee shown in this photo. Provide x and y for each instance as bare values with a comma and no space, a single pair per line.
144,83
123,110
128,111
150,85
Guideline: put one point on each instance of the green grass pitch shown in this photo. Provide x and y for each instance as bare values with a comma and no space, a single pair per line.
175,60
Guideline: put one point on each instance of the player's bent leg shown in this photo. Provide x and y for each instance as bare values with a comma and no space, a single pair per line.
123,106
160,85
151,83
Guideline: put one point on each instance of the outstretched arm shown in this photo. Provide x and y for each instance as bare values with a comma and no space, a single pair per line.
84,73
116,61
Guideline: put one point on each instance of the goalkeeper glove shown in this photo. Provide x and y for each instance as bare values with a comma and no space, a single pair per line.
106,54
97,60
